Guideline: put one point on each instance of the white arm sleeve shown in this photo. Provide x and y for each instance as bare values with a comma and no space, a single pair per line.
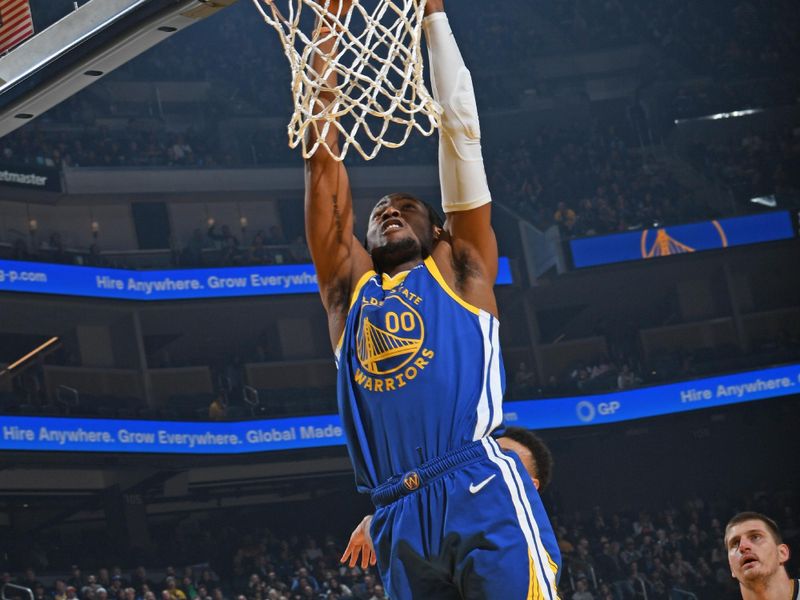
461,171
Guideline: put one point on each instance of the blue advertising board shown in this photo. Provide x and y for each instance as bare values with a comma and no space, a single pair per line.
181,437
654,401
681,239
177,284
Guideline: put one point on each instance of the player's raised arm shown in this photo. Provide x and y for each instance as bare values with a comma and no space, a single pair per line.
338,257
466,199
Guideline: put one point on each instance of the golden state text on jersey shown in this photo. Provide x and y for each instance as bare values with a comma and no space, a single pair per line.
420,373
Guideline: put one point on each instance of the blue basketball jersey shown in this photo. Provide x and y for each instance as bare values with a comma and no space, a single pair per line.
420,373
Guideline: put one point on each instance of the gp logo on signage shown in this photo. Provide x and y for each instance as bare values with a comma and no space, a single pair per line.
587,411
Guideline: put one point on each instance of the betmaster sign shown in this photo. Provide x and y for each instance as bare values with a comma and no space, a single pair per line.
30,177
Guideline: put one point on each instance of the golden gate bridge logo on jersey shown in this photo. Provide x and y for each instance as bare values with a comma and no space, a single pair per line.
658,242
389,336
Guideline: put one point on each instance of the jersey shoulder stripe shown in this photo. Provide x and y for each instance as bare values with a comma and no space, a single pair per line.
430,264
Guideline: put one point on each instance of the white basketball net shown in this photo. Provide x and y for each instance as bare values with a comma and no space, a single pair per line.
380,95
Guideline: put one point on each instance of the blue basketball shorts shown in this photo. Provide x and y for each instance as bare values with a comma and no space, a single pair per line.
467,525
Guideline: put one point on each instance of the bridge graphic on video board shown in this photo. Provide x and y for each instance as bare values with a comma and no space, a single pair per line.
665,245
680,240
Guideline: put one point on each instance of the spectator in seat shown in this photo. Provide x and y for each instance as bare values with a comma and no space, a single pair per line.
60,590
90,587
605,592
258,253
187,585
180,152
364,589
629,553
336,587
231,253
636,585
168,572
627,378
608,566
76,580
19,250
303,574
56,249
94,258
581,564
582,590
29,579
172,591
193,253
298,250
378,593
565,217
276,237
140,579
524,381
221,239
104,577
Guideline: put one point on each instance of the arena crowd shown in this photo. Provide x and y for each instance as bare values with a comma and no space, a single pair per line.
587,181
673,551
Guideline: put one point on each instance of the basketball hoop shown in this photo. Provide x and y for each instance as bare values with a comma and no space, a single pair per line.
380,95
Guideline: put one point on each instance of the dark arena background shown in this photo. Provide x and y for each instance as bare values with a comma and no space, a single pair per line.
167,401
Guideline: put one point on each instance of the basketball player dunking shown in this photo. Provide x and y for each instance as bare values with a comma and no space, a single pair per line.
413,321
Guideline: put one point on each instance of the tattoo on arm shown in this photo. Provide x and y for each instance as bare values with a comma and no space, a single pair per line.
339,297
337,218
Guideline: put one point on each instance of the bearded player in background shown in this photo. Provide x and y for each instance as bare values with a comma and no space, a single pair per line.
757,557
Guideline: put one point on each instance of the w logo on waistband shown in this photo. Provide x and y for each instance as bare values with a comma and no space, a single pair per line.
389,336
411,481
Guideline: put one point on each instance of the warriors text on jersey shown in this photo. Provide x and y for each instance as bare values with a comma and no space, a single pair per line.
420,373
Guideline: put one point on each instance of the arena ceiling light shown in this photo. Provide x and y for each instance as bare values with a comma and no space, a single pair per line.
769,201
735,114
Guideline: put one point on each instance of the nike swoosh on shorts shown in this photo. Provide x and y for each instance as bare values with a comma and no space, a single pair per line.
474,489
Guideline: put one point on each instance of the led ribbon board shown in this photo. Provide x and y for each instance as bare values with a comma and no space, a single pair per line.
178,284
681,239
181,437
